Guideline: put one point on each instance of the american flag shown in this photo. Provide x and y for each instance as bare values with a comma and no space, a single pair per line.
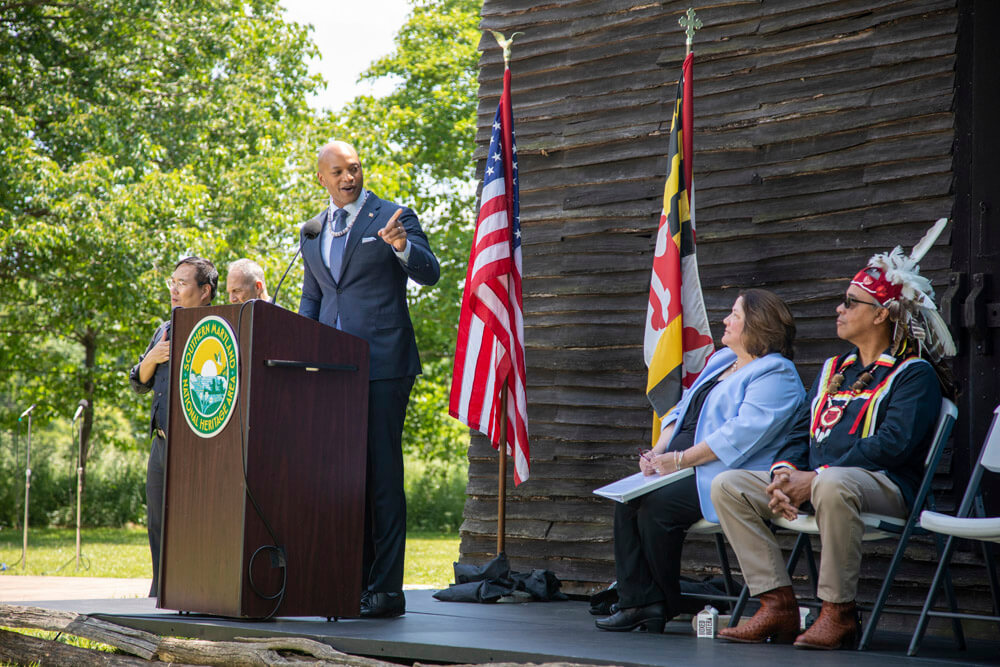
490,347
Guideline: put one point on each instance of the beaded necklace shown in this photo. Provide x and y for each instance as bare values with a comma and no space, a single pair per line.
833,411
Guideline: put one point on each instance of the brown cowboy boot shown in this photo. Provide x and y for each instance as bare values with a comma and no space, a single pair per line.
777,619
837,627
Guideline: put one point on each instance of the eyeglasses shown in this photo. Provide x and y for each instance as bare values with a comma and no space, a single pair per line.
850,302
179,284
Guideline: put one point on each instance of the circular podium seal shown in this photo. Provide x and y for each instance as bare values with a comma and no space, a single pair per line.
209,382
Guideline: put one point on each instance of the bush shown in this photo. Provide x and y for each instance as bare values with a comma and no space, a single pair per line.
435,495
115,492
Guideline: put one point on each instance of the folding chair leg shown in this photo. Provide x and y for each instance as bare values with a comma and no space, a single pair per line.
801,543
727,573
741,603
883,593
991,571
918,632
949,591
813,572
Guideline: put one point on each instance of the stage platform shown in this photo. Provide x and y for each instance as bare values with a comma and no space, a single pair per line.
450,632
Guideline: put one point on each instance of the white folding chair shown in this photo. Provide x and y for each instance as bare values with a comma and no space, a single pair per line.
881,527
965,526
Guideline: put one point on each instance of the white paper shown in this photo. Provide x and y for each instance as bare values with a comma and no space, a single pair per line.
638,484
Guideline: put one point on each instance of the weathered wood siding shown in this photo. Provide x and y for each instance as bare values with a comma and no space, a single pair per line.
823,133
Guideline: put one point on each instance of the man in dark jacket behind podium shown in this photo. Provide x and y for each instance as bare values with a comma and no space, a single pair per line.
355,278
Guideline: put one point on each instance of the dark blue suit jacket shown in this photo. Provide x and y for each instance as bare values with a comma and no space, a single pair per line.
371,294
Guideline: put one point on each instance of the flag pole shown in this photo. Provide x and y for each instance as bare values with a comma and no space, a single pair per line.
502,487
691,23
505,44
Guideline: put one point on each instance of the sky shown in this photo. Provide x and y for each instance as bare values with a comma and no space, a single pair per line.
350,35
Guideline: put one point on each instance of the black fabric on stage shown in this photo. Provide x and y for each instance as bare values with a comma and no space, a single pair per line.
494,580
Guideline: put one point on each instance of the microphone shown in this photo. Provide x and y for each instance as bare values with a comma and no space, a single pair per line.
310,230
27,412
80,408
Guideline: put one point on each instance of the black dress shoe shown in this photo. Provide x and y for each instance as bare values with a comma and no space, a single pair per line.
383,605
651,616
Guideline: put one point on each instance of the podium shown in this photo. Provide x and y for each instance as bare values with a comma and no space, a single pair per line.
265,465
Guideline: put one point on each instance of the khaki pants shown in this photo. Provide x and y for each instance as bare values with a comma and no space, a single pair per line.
839,495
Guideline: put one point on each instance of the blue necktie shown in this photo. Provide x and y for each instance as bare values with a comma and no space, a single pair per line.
337,243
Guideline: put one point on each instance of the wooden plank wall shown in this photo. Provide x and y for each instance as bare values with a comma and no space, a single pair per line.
823,133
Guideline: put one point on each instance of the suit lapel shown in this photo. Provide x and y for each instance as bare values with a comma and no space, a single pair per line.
367,217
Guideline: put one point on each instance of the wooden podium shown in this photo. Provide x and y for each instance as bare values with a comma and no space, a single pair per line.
292,456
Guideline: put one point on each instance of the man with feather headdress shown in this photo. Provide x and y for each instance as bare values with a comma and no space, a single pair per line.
859,446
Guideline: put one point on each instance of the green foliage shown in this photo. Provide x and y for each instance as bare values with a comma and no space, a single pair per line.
435,495
114,495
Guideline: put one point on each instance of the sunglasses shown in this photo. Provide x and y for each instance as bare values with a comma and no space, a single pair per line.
850,302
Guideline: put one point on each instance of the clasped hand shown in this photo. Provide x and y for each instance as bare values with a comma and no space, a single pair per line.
660,464
788,490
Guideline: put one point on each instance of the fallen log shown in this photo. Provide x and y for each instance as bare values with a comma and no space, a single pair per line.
258,652
134,642
19,649
243,652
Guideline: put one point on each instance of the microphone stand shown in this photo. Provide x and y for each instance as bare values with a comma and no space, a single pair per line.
79,486
27,489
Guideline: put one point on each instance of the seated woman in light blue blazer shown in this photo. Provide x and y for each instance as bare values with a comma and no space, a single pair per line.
734,416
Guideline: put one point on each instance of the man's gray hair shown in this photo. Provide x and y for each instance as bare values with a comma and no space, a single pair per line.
251,270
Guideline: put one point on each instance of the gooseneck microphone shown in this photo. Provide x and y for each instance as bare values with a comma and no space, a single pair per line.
84,404
310,230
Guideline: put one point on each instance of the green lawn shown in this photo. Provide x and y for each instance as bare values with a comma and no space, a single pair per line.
124,552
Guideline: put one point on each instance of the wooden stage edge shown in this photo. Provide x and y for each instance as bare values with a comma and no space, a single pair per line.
533,632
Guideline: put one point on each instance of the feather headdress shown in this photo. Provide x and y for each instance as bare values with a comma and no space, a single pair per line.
894,279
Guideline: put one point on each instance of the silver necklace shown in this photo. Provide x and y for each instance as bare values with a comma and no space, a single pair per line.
329,219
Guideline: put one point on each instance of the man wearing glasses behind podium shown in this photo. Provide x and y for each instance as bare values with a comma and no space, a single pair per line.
193,284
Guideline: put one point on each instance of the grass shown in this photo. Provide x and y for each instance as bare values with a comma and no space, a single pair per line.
105,552
429,559
124,553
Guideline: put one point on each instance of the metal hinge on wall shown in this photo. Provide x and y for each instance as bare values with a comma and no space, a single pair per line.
969,310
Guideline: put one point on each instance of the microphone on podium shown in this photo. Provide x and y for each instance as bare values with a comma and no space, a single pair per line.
84,404
310,230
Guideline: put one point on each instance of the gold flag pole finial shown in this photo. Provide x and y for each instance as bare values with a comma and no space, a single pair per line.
691,23
505,44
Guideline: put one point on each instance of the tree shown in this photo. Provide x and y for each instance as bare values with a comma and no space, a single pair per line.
133,132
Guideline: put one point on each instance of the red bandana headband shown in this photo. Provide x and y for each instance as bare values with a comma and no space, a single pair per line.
872,280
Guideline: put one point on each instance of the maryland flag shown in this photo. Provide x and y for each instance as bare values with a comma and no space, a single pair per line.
678,341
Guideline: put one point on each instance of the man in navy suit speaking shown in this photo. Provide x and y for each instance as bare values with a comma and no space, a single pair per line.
355,279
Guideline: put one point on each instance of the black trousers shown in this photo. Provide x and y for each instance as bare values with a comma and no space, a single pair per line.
385,501
649,536
154,504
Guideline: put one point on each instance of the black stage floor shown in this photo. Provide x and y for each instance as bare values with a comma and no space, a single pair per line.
449,632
